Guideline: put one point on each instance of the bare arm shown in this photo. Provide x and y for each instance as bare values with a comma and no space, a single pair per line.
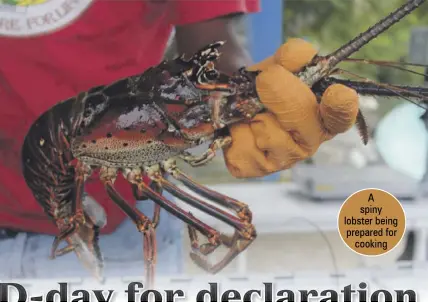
231,28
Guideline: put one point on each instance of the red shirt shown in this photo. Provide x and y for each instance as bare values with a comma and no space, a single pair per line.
52,50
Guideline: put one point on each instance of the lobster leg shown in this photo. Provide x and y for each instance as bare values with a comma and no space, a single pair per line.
208,155
240,208
141,196
208,248
156,214
144,225
173,208
200,204
212,235
197,248
244,231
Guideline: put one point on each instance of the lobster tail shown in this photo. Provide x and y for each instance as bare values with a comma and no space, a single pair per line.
47,169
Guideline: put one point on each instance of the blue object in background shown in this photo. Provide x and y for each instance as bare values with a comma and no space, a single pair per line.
266,29
266,36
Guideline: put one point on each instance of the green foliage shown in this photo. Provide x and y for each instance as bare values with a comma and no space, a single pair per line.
328,24
10,2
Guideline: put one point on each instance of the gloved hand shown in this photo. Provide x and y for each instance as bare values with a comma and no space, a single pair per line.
295,125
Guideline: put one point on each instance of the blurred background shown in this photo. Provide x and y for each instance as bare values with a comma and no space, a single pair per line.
295,211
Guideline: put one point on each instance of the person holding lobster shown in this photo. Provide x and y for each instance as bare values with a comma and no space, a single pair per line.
51,50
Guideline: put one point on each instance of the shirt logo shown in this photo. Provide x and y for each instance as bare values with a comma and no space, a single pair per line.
25,18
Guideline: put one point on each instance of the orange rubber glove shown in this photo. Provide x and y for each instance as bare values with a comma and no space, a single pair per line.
295,125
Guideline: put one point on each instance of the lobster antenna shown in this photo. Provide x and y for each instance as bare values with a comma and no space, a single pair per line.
322,65
355,44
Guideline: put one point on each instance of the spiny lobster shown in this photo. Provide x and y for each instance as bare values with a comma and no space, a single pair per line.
136,126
